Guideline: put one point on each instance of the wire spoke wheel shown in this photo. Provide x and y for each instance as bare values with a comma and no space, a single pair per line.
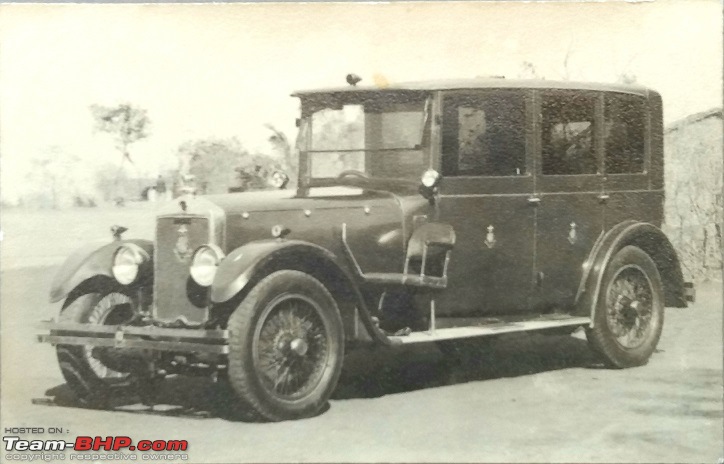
286,347
629,303
95,374
629,313
113,309
291,347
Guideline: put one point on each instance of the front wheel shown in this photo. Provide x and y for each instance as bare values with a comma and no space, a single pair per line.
630,311
91,373
286,347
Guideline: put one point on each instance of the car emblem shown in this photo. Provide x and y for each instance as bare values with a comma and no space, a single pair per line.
182,249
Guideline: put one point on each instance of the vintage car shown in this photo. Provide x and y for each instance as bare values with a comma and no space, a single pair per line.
426,212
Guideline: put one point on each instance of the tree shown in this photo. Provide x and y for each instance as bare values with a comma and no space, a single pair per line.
56,179
223,165
126,123
288,158
112,183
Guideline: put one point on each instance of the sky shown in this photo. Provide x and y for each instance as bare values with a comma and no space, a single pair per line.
226,70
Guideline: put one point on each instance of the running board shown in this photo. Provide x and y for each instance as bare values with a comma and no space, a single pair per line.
453,333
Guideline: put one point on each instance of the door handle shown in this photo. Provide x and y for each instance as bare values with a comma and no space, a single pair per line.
534,201
603,198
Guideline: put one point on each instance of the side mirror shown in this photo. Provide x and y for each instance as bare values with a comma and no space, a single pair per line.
429,183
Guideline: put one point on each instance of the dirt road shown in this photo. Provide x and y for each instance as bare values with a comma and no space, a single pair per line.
535,399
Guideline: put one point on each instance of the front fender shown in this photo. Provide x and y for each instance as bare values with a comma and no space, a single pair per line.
240,266
651,240
89,261
255,259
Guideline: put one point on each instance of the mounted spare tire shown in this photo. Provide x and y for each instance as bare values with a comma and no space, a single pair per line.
629,315
286,347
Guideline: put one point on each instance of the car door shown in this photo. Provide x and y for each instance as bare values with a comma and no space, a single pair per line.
568,192
487,179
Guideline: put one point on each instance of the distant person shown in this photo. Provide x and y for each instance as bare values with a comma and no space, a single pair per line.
160,188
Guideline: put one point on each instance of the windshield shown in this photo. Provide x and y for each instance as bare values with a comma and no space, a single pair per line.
381,136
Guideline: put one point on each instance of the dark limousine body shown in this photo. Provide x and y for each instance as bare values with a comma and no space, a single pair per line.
432,212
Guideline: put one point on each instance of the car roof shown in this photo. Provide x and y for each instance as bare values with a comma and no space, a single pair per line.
482,83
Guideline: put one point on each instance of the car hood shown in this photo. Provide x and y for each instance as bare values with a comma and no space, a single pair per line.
333,196
378,221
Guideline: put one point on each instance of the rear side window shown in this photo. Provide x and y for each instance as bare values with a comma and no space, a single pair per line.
568,130
624,133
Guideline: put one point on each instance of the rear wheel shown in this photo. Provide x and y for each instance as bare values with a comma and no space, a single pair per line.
286,347
630,311
91,374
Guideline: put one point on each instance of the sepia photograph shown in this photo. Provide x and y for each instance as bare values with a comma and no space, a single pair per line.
424,231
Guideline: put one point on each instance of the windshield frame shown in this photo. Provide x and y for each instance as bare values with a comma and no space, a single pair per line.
312,103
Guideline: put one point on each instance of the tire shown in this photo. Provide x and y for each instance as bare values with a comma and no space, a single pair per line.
91,378
286,347
629,314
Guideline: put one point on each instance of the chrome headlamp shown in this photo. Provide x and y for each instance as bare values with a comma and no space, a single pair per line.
204,264
126,261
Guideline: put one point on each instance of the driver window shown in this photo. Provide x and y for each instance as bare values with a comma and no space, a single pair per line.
484,134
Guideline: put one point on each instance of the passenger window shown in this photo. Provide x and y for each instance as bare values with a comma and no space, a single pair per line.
484,135
568,134
624,133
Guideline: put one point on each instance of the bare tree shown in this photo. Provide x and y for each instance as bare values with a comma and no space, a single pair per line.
52,179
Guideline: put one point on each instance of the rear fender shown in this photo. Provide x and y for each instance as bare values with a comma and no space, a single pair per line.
248,264
652,241
91,261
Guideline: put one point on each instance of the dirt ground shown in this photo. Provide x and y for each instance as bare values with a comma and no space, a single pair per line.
535,398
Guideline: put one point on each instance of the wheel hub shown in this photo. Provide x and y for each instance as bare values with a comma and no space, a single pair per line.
299,346
289,343
629,314
291,347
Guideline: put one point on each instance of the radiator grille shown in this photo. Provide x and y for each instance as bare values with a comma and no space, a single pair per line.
175,293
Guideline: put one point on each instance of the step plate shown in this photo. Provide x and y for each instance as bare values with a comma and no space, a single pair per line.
488,330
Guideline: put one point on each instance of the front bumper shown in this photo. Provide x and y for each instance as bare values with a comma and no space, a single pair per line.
214,341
